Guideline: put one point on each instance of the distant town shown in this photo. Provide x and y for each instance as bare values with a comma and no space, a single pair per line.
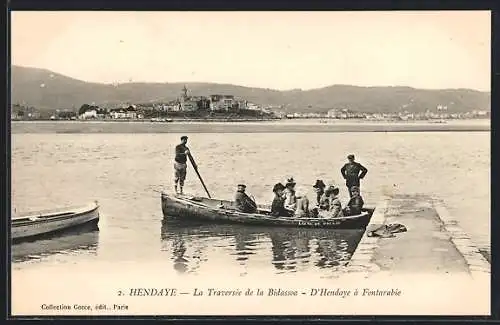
219,106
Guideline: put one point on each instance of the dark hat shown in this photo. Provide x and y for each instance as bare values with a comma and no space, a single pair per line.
350,157
242,185
331,188
184,137
319,184
278,186
290,182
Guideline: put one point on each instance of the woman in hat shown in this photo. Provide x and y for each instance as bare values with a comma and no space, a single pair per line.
278,205
324,201
289,195
334,209
319,187
297,205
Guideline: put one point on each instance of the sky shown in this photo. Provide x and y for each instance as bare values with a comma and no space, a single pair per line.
278,50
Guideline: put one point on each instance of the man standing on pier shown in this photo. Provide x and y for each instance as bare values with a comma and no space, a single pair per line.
180,163
352,173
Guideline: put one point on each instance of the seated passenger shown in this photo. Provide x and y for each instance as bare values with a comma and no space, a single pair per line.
319,187
355,204
302,210
243,202
324,200
278,205
334,205
289,195
297,205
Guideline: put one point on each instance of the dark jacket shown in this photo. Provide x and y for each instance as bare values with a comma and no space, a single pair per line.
355,205
244,203
353,172
180,153
278,207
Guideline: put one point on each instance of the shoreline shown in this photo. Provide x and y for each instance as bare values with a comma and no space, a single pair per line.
252,126
447,248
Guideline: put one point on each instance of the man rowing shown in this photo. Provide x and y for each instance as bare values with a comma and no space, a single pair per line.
352,173
180,164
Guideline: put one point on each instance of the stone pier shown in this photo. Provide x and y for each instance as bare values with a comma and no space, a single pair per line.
434,243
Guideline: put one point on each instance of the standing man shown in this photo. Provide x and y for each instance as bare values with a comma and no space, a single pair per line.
180,163
352,173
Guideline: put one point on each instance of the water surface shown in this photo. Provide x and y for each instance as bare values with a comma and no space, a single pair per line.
125,171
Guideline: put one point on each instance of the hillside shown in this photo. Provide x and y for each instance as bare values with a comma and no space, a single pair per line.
48,90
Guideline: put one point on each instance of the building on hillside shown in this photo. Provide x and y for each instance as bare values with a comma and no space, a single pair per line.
24,112
89,114
187,103
242,104
16,115
333,113
129,112
214,102
16,112
223,103
172,106
192,103
118,113
252,106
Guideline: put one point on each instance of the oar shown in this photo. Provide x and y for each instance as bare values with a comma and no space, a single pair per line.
195,167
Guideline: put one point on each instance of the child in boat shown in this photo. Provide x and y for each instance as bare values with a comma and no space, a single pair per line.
334,209
356,202
278,205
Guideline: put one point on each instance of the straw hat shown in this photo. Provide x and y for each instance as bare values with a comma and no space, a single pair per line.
290,182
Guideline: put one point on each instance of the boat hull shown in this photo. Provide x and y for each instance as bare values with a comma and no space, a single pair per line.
208,210
42,224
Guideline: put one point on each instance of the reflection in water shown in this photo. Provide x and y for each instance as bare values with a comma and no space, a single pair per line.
286,249
83,239
183,260
244,245
179,249
131,206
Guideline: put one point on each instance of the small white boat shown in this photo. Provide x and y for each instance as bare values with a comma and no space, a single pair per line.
33,224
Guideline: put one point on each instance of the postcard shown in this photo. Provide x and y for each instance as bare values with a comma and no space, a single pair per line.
250,163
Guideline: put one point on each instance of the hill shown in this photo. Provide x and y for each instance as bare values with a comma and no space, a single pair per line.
46,90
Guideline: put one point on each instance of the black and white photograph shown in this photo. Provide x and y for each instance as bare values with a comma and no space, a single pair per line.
250,163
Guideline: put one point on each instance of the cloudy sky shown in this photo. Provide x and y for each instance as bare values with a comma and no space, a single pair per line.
280,50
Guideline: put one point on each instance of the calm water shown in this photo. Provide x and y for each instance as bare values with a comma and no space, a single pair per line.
124,171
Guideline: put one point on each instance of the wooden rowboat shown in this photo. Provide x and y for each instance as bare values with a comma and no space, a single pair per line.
35,224
212,210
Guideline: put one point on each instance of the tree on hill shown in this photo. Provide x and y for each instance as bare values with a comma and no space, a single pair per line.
83,109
